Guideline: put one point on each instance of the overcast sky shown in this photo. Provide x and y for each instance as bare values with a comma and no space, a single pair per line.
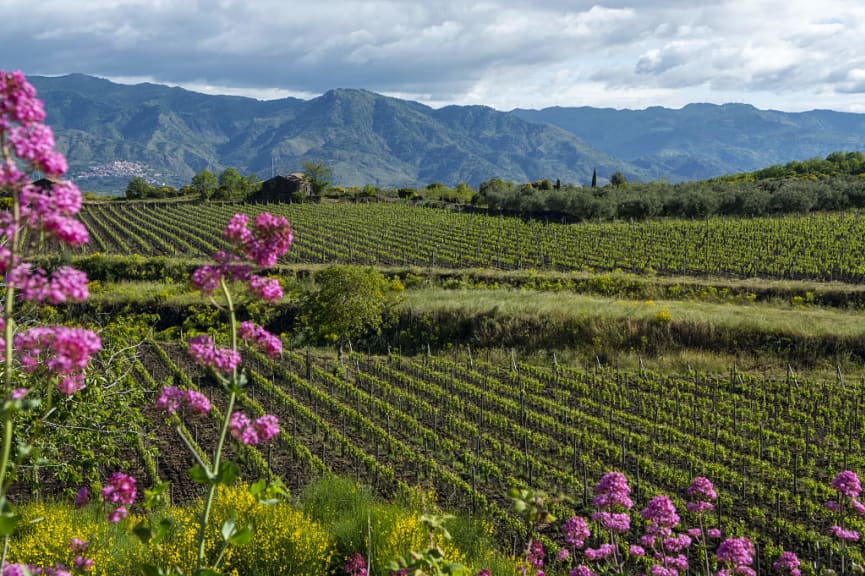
783,54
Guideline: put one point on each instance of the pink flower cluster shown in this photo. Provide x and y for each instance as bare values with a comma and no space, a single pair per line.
356,565
50,209
120,491
263,245
576,531
204,351
64,284
787,564
702,492
63,351
47,208
172,399
535,557
613,490
736,554
79,548
31,570
251,432
269,239
847,485
661,516
253,333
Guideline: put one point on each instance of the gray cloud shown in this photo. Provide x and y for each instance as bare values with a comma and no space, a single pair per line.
504,53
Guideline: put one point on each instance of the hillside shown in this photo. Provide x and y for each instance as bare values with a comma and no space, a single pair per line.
172,133
111,132
705,140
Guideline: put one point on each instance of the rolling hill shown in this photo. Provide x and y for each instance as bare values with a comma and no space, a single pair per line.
110,132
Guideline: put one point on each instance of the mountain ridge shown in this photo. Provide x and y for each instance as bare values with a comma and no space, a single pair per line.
171,133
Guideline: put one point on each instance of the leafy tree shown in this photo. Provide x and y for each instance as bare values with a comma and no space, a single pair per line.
138,188
231,184
618,179
319,176
204,183
594,178
348,302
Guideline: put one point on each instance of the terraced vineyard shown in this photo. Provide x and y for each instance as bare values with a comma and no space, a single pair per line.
472,430
820,246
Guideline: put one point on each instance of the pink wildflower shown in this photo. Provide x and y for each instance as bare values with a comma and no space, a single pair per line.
252,432
169,399
267,289
677,543
204,351
266,427
600,552
737,554
272,238
581,570
788,564
117,514
576,531
82,497
636,550
847,483
616,522
703,492
356,565
119,490
613,490
62,351
660,513
270,344
197,402
844,534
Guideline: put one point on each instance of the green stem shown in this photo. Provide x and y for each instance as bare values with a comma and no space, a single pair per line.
217,455
9,332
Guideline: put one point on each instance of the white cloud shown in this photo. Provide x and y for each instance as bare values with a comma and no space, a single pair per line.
798,54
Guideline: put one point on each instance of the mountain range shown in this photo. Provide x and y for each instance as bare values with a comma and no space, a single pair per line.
111,132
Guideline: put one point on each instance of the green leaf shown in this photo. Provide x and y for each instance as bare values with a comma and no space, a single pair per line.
8,522
200,475
228,473
206,572
242,536
228,528
156,496
142,530
163,529
257,487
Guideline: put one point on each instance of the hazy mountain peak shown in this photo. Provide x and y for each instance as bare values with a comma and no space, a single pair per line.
371,138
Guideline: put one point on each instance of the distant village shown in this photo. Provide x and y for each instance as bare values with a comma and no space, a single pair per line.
119,169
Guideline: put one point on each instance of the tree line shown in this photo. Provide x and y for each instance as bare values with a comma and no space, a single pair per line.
836,183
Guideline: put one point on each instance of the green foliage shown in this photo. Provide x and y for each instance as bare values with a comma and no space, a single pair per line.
618,179
319,176
204,183
138,188
348,301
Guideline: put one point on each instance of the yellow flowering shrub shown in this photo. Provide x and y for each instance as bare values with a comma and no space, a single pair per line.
46,529
285,542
